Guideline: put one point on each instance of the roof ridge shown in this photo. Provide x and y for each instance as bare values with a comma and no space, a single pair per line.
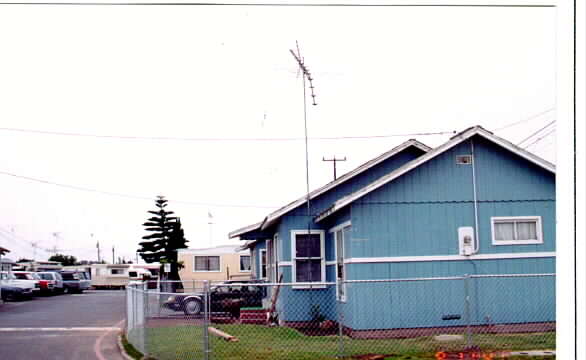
455,140
318,191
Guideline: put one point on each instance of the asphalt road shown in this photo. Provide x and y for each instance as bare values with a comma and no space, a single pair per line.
65,327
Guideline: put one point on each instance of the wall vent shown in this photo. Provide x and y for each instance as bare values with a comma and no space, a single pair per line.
463,159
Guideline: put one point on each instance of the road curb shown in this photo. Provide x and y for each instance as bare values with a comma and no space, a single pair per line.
121,347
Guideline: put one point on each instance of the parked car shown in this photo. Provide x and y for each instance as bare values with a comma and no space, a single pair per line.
75,281
225,297
30,277
9,280
53,278
15,293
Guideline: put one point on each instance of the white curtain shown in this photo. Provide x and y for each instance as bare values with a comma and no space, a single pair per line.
504,231
526,231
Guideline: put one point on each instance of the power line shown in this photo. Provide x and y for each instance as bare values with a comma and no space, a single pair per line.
535,133
136,197
34,244
14,241
539,139
18,239
273,4
526,119
211,139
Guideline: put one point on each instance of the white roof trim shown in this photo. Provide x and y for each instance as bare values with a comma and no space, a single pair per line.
218,250
273,217
244,230
464,135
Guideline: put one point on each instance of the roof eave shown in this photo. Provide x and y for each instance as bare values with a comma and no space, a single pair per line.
245,230
455,140
275,216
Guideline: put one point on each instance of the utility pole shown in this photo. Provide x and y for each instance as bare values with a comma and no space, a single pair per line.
211,224
35,246
334,161
113,258
97,247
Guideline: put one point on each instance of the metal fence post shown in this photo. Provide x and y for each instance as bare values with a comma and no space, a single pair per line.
206,314
340,327
467,310
146,317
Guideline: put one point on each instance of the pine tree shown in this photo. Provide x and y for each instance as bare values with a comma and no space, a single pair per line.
166,237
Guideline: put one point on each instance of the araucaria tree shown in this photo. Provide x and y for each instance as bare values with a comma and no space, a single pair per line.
166,236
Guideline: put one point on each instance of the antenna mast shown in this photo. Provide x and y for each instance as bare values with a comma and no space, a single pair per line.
306,75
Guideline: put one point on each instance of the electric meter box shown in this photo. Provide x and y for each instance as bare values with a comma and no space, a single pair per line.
466,240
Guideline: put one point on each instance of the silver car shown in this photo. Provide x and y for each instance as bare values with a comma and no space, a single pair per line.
55,277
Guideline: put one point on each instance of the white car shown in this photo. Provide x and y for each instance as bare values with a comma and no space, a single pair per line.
28,276
8,279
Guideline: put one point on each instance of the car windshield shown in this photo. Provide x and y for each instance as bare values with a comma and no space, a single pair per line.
45,276
23,276
8,276
70,276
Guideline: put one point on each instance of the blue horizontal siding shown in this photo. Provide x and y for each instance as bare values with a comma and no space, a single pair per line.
423,303
297,218
432,228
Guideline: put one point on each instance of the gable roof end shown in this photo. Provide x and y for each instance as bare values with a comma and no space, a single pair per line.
455,140
276,215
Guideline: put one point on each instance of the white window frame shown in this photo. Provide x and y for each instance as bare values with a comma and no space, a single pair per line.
260,263
334,232
272,258
240,263
294,258
538,229
210,271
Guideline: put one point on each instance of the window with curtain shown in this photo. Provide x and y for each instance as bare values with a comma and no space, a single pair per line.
516,230
309,256
263,264
244,263
206,263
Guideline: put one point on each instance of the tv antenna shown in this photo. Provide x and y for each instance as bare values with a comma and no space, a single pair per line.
35,246
306,75
305,70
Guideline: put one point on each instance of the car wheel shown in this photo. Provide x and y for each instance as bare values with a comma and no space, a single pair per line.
192,307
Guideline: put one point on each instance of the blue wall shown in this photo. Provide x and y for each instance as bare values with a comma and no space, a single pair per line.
419,214
423,303
297,218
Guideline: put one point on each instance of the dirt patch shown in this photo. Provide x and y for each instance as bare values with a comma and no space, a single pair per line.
373,356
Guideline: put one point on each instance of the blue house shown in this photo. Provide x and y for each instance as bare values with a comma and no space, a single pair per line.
476,206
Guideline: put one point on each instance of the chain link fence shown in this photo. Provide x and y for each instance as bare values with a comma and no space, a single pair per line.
463,317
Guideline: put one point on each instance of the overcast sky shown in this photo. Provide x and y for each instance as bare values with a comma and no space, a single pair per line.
125,74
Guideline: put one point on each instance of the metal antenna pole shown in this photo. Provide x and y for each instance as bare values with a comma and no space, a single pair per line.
334,160
306,74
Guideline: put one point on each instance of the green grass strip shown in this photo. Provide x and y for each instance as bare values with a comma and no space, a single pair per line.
257,342
130,350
